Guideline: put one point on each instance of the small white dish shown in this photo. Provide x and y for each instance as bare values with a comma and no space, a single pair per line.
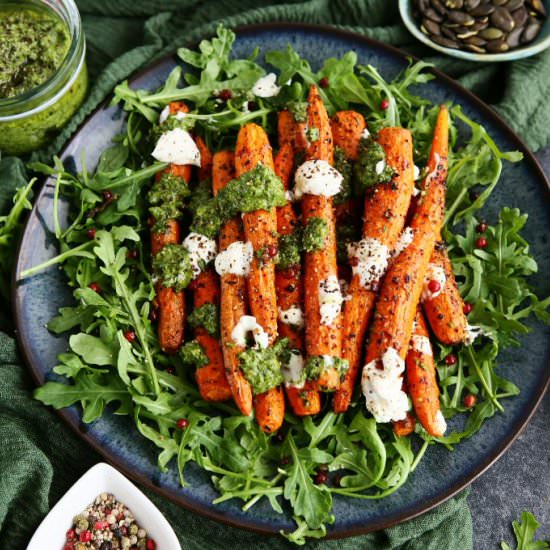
102,478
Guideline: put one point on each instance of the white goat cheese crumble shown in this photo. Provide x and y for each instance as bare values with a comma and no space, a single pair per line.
330,300
317,177
369,261
177,147
382,388
266,86
292,316
248,324
292,371
235,259
201,251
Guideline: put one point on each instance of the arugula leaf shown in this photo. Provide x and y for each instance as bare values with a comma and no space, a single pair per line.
310,501
93,391
524,531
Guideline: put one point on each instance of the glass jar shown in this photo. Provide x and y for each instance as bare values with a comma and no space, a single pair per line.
30,120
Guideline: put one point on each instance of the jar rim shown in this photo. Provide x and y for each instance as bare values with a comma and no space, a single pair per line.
63,77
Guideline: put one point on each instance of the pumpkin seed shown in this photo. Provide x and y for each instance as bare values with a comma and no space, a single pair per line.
445,31
482,10
446,42
480,25
471,5
474,48
438,6
512,5
430,13
475,41
502,19
531,31
431,27
460,17
491,33
514,37
497,46
538,6
467,34
520,17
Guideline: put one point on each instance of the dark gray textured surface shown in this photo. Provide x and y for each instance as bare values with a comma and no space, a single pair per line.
520,480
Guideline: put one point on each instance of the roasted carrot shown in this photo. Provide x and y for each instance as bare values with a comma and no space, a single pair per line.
233,291
171,304
292,132
320,265
422,379
347,129
385,209
445,311
205,170
260,228
290,292
403,428
211,379
402,286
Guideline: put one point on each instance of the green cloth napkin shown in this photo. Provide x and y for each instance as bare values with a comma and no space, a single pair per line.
39,456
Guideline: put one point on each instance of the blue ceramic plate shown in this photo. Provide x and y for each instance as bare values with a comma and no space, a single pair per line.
441,474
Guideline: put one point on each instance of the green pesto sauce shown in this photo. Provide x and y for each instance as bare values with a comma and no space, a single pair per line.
36,131
191,353
207,219
259,189
365,170
262,367
312,134
315,366
173,266
345,168
289,250
167,200
314,234
298,110
205,316
33,43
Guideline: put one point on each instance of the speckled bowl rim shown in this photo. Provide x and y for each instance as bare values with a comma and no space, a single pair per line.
210,511
521,53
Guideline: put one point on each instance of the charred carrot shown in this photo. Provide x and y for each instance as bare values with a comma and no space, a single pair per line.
171,304
403,428
211,379
385,209
422,379
442,303
233,291
291,132
205,169
400,292
347,130
260,228
323,332
290,292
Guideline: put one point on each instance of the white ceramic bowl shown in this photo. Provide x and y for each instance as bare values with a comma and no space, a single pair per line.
538,45
102,478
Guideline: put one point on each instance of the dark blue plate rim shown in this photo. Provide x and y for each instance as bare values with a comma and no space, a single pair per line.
210,511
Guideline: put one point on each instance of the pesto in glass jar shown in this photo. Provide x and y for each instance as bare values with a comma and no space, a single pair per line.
43,76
